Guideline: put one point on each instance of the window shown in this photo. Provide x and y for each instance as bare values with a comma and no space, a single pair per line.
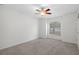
55,28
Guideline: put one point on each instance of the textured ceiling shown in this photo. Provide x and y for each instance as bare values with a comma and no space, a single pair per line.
56,9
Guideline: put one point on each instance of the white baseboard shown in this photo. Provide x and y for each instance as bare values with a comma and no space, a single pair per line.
8,46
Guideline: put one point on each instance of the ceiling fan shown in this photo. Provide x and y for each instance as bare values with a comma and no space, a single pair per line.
43,11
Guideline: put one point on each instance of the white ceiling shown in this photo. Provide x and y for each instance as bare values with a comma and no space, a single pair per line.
56,9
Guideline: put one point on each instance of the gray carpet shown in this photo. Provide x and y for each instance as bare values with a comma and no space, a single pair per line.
42,47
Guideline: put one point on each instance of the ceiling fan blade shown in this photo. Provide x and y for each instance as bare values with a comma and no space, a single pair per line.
47,10
36,13
49,13
37,10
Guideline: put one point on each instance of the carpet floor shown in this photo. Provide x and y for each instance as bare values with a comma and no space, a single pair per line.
42,47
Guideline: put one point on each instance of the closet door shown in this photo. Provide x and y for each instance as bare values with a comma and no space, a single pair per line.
78,33
42,28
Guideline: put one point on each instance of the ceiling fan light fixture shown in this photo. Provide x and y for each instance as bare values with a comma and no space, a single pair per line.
43,11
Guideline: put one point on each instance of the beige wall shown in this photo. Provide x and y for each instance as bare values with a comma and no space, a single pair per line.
16,28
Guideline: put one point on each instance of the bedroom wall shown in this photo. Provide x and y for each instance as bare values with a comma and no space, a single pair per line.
68,27
69,30
16,28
